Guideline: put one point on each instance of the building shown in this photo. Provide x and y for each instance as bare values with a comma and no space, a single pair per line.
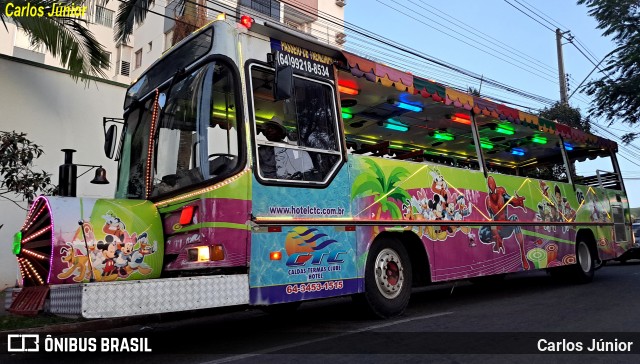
39,98
322,20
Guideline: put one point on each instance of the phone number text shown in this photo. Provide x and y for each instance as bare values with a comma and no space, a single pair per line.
314,287
303,65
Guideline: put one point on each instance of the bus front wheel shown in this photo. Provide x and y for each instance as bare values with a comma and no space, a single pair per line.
387,278
584,270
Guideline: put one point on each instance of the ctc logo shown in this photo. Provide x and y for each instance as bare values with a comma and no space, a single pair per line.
317,257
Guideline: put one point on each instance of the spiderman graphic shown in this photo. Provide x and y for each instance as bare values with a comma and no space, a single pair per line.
497,202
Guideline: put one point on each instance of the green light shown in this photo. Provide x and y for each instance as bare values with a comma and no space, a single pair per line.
395,125
346,115
486,145
539,140
443,136
505,129
17,243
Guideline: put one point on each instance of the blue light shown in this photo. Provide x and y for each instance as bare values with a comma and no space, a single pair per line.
409,107
517,151
568,146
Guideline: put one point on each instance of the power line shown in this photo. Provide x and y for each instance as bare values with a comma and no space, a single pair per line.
555,23
413,52
534,19
493,54
594,68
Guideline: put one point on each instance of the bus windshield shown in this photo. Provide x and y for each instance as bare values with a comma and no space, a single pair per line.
195,136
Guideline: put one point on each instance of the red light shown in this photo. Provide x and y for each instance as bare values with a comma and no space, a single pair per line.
461,118
274,229
348,87
186,215
247,21
275,255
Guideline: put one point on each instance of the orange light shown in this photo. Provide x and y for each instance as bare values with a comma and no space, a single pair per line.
246,21
348,90
217,252
460,120
275,255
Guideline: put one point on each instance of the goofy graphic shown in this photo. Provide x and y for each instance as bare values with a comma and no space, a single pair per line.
497,202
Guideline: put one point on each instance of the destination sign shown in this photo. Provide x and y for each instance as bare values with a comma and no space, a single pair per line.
302,60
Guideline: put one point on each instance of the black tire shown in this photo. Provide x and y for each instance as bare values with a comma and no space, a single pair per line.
387,279
583,270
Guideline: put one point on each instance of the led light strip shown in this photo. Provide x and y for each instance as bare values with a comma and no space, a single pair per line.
152,131
34,254
36,234
201,191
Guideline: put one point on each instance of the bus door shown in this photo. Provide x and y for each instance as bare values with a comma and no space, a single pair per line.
298,174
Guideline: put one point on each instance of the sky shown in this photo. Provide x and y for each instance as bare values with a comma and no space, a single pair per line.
494,39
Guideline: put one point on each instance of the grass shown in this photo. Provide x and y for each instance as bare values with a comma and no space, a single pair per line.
10,321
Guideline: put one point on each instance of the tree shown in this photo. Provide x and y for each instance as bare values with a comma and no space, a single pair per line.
554,170
190,16
617,93
193,16
66,38
566,115
18,182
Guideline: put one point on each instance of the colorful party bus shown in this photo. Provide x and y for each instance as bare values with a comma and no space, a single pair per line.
258,166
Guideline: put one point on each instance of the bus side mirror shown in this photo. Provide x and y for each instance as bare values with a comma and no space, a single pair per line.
283,89
110,141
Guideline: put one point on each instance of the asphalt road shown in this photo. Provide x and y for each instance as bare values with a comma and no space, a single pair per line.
454,323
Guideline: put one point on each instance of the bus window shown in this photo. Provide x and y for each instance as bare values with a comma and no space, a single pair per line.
414,128
520,150
197,139
135,145
297,138
592,166
222,132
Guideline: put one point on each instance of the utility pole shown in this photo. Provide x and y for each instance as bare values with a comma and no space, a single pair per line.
563,80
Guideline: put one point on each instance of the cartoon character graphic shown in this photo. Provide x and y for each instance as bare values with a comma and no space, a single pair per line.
439,185
124,255
109,252
113,225
497,203
75,262
136,262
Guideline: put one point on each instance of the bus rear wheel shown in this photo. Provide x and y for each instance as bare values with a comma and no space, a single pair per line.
387,279
583,270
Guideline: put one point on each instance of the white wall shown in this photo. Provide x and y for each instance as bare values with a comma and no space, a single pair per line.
13,37
56,113
151,31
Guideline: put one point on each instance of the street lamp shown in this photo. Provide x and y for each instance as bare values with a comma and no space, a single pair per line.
68,173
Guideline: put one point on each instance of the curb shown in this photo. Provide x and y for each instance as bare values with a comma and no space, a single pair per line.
91,325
